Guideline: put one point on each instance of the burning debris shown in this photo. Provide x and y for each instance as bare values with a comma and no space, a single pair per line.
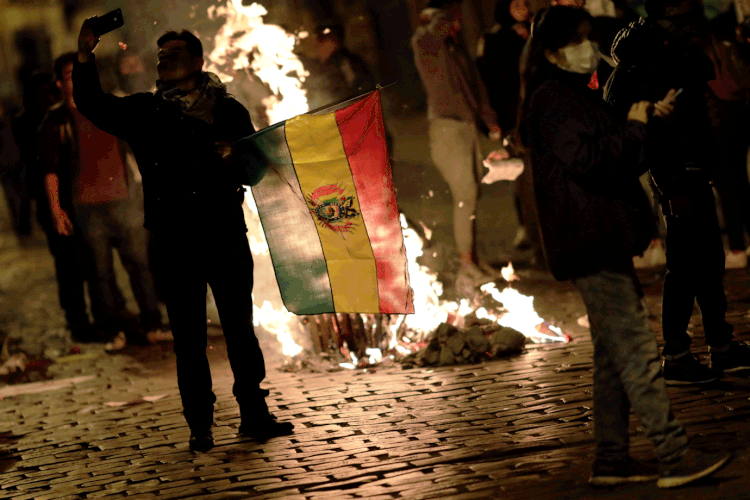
488,325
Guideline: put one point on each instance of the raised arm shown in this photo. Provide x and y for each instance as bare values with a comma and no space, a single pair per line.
115,115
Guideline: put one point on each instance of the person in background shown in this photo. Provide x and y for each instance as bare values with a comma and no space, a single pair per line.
67,252
13,175
88,187
653,56
457,100
499,55
594,217
182,137
336,73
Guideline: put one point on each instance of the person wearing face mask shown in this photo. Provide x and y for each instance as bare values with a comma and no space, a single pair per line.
654,55
594,217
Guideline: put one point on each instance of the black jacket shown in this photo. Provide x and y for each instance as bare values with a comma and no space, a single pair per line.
186,185
649,63
593,212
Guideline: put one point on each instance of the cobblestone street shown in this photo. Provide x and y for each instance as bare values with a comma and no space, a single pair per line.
95,425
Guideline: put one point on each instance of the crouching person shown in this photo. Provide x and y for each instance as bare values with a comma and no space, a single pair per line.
193,195
594,217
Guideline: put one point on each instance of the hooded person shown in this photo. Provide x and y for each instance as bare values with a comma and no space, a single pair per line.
653,56
182,138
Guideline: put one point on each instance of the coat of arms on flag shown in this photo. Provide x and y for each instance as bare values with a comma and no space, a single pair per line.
329,213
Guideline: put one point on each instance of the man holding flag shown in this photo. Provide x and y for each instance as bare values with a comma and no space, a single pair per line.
193,189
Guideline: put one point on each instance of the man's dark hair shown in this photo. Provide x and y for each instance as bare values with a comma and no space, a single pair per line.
192,44
442,4
62,61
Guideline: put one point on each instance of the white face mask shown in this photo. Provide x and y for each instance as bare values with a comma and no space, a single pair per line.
581,58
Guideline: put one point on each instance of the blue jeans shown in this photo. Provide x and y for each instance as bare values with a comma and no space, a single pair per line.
117,224
627,369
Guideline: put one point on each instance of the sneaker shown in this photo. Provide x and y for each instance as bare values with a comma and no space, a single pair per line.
118,343
735,359
735,259
622,472
693,465
653,256
201,440
584,321
265,428
686,370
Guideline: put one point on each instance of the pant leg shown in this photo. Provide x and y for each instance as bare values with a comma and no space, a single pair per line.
132,244
70,274
619,333
231,280
92,222
709,254
183,263
680,284
453,148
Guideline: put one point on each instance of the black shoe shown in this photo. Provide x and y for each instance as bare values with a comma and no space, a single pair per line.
265,428
687,370
622,472
693,465
735,359
201,440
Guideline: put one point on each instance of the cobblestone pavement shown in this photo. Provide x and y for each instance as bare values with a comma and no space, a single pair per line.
110,426
513,428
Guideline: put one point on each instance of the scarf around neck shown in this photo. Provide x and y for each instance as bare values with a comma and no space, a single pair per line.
198,102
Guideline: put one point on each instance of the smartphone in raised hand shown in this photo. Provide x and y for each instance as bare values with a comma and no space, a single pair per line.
108,22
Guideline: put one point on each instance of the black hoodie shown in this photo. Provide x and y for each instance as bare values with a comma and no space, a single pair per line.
649,63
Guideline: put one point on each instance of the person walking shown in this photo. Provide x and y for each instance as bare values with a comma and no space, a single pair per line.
193,187
652,60
595,217
457,100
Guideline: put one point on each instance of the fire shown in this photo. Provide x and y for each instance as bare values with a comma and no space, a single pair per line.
245,43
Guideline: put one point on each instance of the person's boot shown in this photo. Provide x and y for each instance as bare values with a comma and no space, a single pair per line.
264,427
201,440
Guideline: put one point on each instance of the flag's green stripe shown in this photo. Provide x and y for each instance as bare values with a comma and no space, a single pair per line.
293,240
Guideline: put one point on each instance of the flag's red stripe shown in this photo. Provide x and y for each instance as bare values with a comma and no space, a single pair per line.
363,133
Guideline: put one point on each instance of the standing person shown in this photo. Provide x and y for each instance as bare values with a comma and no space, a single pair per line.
13,176
181,137
652,60
594,217
89,192
499,55
457,101
337,73
67,251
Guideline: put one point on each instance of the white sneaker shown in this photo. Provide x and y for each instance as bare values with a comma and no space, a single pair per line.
735,259
118,343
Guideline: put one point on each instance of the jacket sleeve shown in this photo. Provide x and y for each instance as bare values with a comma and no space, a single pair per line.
118,116
245,160
585,150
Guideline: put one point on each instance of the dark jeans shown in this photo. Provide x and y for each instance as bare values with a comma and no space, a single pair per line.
117,224
695,271
221,259
627,369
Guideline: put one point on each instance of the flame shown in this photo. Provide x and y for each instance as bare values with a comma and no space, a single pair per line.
508,273
245,43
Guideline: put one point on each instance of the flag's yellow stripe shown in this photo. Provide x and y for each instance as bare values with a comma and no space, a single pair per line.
319,160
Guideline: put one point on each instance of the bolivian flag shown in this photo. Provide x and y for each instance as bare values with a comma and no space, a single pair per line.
329,213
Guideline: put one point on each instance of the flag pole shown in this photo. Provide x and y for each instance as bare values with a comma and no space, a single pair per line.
323,108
